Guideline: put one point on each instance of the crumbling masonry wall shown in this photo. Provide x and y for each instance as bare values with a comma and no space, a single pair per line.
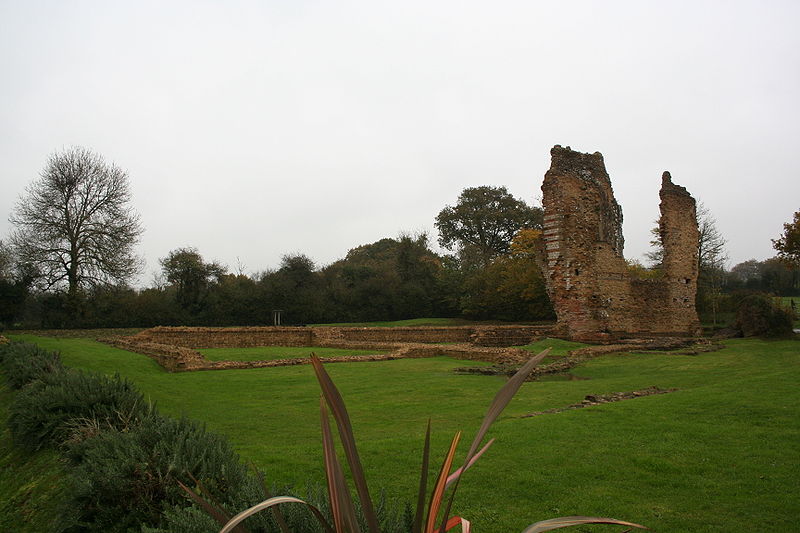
241,337
594,295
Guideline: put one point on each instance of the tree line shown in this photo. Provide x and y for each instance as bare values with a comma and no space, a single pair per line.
71,257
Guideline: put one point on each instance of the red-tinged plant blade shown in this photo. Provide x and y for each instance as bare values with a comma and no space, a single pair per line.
339,412
423,482
503,397
247,513
332,468
217,514
276,513
471,462
456,521
452,522
501,400
441,480
567,521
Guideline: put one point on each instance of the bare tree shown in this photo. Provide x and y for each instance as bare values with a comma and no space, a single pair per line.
6,262
74,224
710,247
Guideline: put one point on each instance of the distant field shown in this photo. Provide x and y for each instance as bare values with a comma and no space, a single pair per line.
266,353
719,455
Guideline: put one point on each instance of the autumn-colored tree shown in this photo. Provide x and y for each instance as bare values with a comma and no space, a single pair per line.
788,244
511,287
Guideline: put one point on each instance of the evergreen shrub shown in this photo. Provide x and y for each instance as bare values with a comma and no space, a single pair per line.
23,363
49,410
758,315
127,479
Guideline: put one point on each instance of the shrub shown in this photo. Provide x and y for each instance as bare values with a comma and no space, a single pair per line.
48,410
127,479
24,363
758,315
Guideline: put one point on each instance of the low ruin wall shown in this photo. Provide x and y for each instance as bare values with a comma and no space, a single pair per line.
244,337
322,335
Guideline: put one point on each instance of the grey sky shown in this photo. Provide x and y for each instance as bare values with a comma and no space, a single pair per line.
255,129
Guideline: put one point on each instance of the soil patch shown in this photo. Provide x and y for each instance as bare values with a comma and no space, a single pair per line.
598,399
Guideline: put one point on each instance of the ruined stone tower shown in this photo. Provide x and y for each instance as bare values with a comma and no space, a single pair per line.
594,295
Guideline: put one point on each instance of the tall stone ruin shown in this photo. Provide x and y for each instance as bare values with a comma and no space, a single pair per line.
594,294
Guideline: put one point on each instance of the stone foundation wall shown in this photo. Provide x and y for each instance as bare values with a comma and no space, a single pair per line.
197,337
182,359
403,334
244,337
587,277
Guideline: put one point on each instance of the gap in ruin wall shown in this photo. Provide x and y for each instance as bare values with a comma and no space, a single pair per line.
587,277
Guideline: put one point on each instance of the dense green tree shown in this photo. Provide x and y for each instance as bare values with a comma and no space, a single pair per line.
235,300
511,287
296,289
774,275
484,221
75,224
191,274
387,280
788,244
15,281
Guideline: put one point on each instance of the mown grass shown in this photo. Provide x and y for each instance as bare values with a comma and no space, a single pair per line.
268,353
720,454
31,484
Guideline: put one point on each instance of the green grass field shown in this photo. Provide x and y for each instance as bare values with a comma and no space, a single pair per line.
267,353
721,454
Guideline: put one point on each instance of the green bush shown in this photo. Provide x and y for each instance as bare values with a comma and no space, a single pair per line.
128,479
23,363
67,405
759,316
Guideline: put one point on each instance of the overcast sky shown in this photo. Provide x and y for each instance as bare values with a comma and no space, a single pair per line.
255,129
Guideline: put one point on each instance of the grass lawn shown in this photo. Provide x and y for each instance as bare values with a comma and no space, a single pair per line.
266,353
721,454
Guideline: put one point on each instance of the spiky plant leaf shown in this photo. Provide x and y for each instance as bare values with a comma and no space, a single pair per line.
568,521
